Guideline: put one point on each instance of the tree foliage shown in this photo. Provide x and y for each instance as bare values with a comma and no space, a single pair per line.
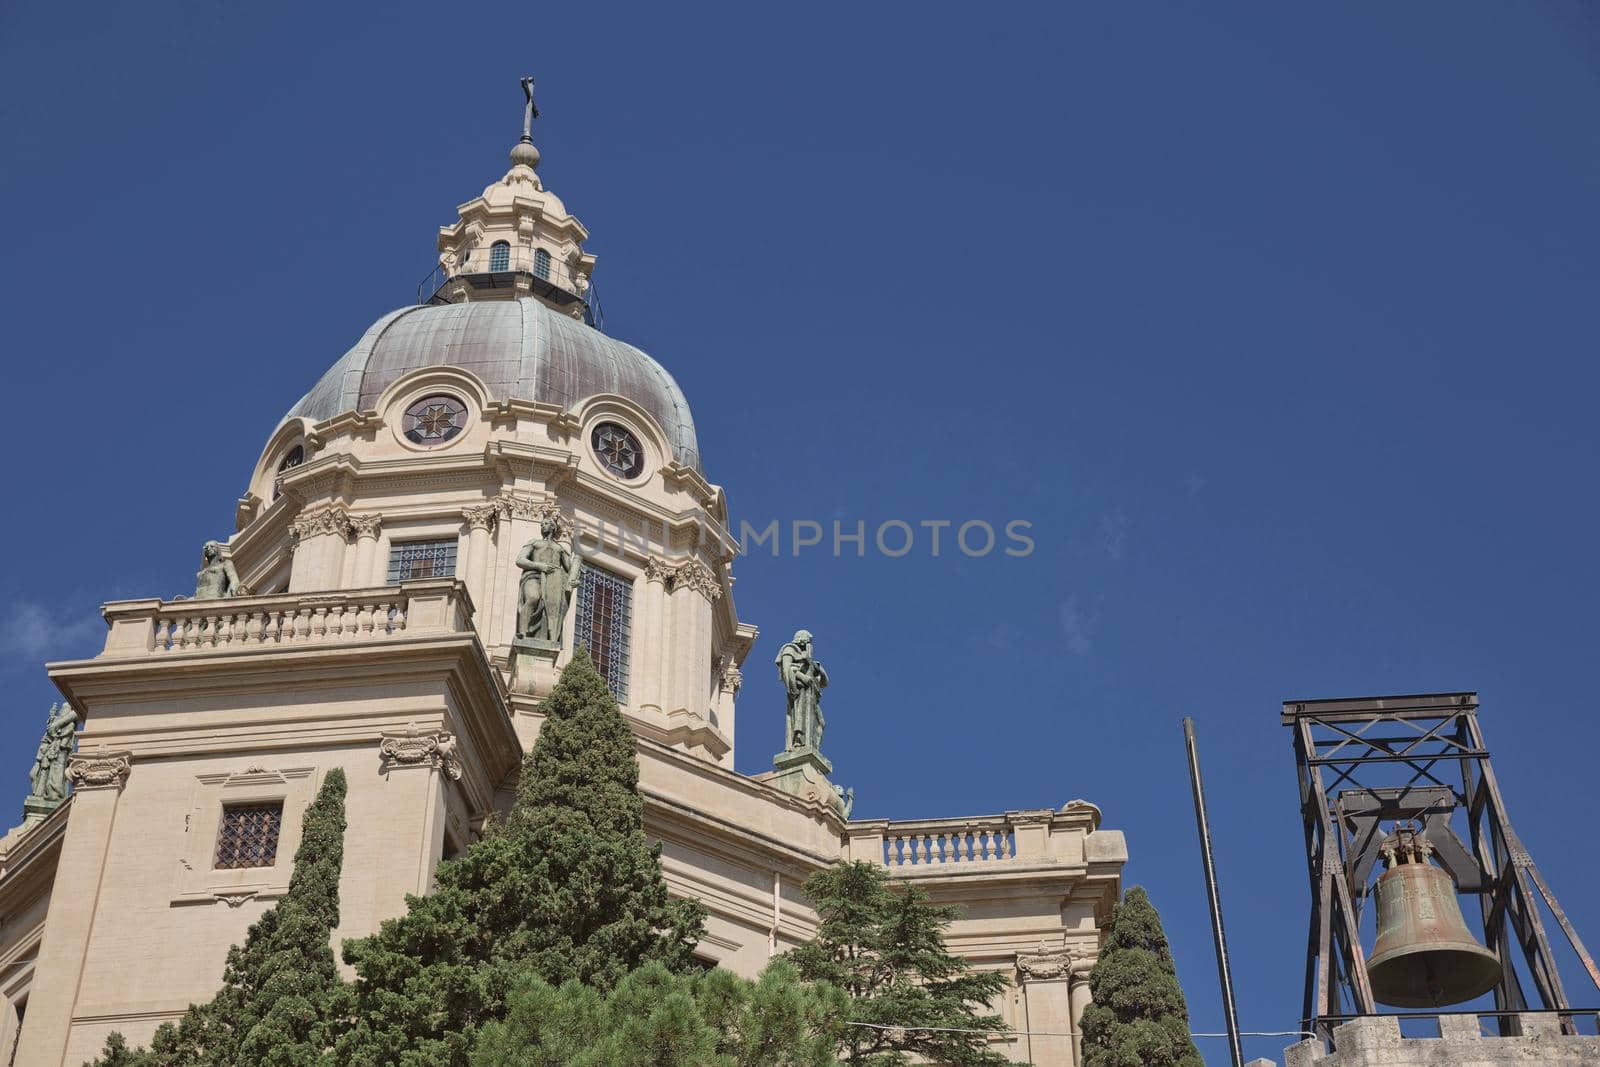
566,888
884,946
281,993
654,1018
1139,1017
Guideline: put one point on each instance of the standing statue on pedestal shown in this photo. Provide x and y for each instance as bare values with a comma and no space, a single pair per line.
805,680
217,578
48,779
550,575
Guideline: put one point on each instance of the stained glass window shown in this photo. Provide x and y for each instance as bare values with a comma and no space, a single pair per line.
617,449
605,614
248,836
541,263
422,559
433,420
500,256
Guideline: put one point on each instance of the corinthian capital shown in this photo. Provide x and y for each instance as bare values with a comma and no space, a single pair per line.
324,520
99,769
697,576
657,570
480,518
366,526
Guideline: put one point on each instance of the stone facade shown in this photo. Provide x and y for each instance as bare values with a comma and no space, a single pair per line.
115,912
1376,1042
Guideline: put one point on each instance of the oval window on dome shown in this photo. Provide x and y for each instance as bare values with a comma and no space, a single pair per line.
433,420
617,449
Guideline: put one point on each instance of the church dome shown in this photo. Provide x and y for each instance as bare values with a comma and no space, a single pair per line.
521,349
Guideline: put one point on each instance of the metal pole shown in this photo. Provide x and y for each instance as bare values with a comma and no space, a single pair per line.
1223,972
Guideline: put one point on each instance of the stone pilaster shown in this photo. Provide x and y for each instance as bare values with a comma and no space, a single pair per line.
366,572
414,766
480,555
1079,992
318,537
694,589
653,639
1045,975
99,778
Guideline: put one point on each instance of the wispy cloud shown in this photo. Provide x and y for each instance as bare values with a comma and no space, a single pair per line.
1113,535
1077,626
31,634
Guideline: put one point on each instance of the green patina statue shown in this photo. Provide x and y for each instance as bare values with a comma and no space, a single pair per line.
805,680
217,578
550,575
48,779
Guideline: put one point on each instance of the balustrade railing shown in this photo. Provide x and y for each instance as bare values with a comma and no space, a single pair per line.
155,627
988,839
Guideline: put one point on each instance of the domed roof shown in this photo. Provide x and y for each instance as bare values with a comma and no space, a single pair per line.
521,349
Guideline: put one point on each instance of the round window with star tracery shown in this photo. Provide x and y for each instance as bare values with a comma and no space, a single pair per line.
433,420
618,450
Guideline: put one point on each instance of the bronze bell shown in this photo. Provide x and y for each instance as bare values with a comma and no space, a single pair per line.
1425,957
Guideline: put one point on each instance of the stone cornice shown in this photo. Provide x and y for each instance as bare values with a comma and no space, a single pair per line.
413,749
100,769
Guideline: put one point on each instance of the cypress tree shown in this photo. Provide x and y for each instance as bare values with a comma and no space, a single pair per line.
1139,1017
909,994
281,990
567,887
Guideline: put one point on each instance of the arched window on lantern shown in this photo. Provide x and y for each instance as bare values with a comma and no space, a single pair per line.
541,263
500,256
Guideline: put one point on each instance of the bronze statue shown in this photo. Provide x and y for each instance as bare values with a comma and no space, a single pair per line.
217,578
804,679
48,779
551,574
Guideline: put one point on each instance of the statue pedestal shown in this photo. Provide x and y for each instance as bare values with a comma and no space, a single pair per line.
36,810
533,666
803,772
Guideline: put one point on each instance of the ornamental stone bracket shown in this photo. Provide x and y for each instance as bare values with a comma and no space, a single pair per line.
413,749
100,769
732,679
1045,964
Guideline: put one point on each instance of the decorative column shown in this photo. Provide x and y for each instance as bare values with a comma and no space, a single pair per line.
1079,993
655,637
480,549
366,573
80,871
318,538
694,590
413,762
1045,976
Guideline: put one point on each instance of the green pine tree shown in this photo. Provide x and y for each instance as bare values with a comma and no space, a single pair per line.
883,945
281,992
1139,1017
654,1018
567,887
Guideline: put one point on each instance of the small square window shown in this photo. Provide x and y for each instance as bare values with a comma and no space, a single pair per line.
422,559
248,836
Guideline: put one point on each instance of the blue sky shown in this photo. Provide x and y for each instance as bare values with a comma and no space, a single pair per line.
1277,324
